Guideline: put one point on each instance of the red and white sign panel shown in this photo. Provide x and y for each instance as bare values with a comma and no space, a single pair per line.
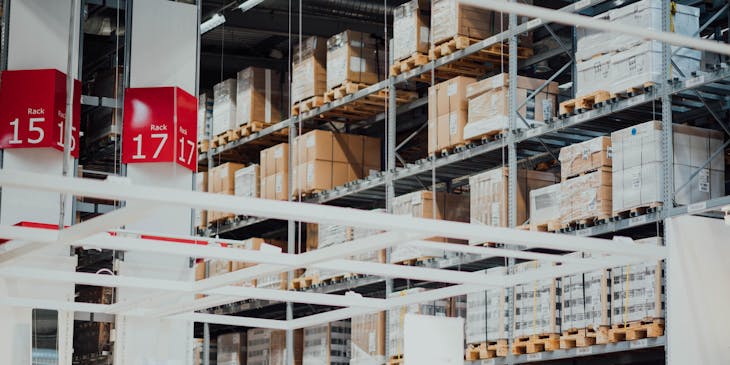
160,125
33,110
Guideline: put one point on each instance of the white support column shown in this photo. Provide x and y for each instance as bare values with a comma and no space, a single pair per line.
38,38
162,53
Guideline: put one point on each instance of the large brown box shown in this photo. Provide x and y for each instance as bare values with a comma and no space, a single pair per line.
221,180
274,172
489,195
258,96
410,30
451,18
320,175
201,184
585,156
353,57
368,337
586,197
309,73
447,113
278,347
231,349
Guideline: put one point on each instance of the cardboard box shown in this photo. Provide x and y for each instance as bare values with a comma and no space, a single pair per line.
200,270
258,96
277,352
447,113
585,298
410,30
585,156
489,195
450,18
205,116
488,312
536,303
231,349
447,131
221,180
327,344
309,73
320,175
247,181
368,339
224,107
637,291
274,171
201,184
353,57
586,197
544,206
448,96
258,346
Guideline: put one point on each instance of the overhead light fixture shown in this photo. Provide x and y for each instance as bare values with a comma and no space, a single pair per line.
214,21
248,4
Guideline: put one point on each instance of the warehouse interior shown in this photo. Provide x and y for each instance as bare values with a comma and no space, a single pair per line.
365,182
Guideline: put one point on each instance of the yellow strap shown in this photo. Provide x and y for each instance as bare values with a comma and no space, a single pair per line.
626,290
403,311
534,302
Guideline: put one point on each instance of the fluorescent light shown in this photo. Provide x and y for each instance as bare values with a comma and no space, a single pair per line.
248,4
211,23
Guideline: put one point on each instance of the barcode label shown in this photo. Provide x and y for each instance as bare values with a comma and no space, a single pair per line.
637,344
696,207
584,350
488,362
637,220
636,100
535,356
694,81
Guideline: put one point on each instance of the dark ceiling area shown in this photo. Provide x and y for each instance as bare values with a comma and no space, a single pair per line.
261,36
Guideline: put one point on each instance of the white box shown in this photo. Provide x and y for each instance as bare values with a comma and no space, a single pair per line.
246,181
488,312
648,14
593,74
591,42
545,205
224,107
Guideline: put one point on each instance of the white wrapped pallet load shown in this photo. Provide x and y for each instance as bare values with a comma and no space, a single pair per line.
642,63
637,291
545,207
327,344
488,313
368,339
585,299
205,116
410,31
231,349
258,346
224,107
536,303
396,317
247,181
593,74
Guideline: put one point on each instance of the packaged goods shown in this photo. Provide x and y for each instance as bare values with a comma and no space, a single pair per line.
327,344
586,197
224,107
277,354
258,96
258,346
221,180
274,172
410,30
536,303
309,73
247,181
451,18
447,113
231,349
488,313
396,317
488,195
488,104
585,298
368,339
201,215
637,161
353,57
429,205
585,156
637,291
545,207
205,116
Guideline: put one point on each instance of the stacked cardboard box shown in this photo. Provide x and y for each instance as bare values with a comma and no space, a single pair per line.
248,182
488,195
585,156
368,339
309,73
327,344
451,18
429,205
637,291
258,96
274,171
201,215
221,180
324,160
585,299
232,349
224,107
488,312
353,57
545,207
611,62
205,116
396,317
258,346
637,161
273,281
586,197
537,305
410,29
447,113
488,105
277,352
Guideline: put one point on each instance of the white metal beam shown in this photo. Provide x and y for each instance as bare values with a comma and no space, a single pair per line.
54,305
234,320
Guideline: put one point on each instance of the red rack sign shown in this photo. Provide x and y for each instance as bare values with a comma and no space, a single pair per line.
33,110
160,125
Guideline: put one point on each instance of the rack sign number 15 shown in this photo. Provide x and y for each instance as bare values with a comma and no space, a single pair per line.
35,134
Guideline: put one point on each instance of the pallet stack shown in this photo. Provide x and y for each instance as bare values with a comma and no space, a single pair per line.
205,120
428,205
232,349
353,58
586,187
410,36
258,94
309,74
536,319
274,171
327,344
396,321
368,339
447,115
488,321
224,126
221,180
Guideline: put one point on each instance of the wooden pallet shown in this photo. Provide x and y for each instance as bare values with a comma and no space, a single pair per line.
582,103
419,261
585,222
221,221
307,105
396,360
607,169
635,330
225,138
487,350
550,226
409,63
496,53
637,211
255,127
583,337
447,151
488,136
366,106
633,91
203,146
536,343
